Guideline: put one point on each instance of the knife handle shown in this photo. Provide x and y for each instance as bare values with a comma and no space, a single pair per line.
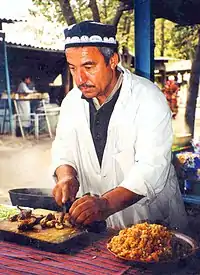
67,205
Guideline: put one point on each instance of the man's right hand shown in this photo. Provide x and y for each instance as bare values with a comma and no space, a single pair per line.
66,189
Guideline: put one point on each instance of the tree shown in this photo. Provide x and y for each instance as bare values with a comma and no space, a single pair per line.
193,89
108,11
164,45
187,40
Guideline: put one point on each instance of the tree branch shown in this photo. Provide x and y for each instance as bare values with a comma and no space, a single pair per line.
67,12
118,14
95,11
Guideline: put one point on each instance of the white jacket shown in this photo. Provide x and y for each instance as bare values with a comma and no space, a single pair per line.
137,154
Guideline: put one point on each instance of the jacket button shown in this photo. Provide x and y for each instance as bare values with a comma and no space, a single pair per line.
98,136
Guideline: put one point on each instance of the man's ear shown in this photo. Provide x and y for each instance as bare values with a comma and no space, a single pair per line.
114,60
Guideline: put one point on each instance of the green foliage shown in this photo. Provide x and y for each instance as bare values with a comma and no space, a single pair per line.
185,40
81,10
176,41
167,48
179,41
107,9
50,9
125,34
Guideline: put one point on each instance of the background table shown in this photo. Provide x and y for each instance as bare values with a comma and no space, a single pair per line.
35,115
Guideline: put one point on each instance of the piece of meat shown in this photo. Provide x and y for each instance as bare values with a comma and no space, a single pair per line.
13,218
27,224
49,217
59,225
24,213
51,223
39,218
63,218
66,220
59,216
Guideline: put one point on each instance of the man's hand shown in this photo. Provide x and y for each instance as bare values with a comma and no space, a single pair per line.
66,189
88,209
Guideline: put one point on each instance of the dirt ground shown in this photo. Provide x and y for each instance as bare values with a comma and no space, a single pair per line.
24,163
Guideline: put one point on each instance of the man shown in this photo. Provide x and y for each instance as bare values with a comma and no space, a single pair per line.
113,139
24,105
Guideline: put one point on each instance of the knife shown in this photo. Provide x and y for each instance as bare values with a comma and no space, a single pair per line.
65,209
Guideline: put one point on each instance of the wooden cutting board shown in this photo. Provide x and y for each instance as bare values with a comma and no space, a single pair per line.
48,238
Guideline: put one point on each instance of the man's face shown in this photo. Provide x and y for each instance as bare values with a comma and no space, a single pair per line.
28,80
90,72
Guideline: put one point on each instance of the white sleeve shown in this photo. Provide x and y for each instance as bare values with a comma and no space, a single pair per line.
23,88
149,172
65,140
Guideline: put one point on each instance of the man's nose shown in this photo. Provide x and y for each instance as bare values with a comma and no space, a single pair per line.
81,77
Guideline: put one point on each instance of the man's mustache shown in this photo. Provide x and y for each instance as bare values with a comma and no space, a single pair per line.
85,86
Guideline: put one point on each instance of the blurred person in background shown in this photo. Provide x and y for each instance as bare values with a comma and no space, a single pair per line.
24,106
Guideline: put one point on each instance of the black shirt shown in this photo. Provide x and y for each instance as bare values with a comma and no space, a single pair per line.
99,121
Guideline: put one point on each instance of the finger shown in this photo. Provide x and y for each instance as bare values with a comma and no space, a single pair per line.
90,219
79,209
58,196
65,193
83,217
72,195
76,204
73,190
54,191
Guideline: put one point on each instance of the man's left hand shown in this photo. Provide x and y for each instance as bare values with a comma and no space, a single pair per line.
88,209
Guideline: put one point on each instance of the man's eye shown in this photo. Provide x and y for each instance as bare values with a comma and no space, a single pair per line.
71,68
88,67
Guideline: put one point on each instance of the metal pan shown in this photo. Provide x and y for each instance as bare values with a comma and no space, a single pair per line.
34,198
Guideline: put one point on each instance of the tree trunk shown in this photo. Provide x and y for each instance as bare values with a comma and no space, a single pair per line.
122,7
193,90
162,50
67,12
95,11
104,9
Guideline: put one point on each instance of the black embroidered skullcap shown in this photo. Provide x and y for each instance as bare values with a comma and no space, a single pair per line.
90,33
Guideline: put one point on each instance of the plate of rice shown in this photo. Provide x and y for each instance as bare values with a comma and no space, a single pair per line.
151,243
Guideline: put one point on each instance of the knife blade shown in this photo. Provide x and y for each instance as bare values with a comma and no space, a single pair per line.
65,209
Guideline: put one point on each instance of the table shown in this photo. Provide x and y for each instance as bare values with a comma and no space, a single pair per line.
86,258
36,117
